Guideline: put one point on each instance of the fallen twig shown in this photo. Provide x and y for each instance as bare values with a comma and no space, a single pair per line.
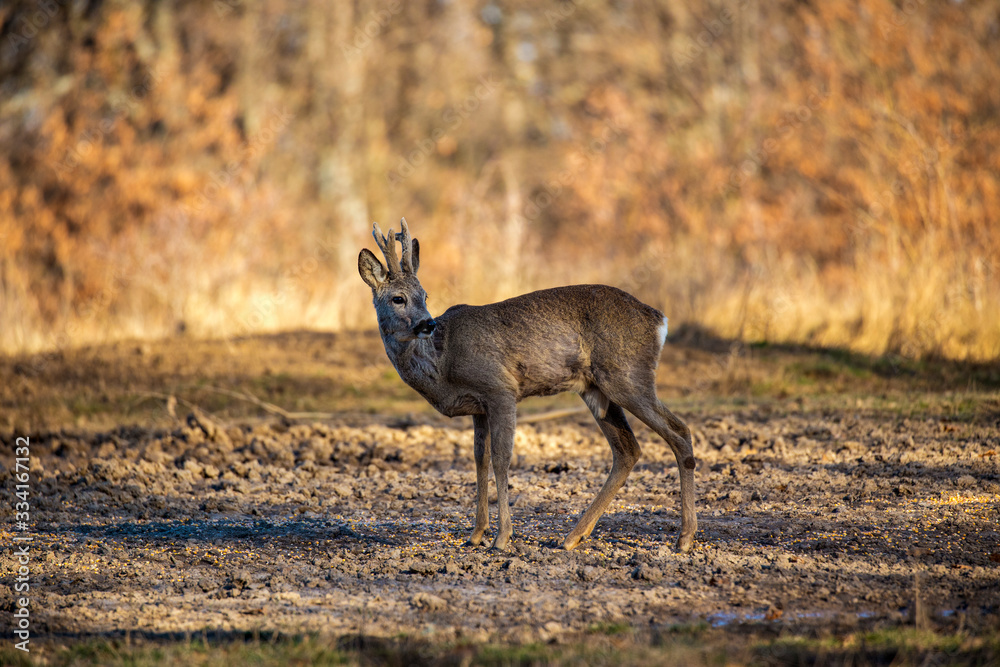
270,407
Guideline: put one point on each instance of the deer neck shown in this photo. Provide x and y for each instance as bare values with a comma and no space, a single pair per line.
416,361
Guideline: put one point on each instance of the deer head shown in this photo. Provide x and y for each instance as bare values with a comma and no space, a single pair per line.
400,301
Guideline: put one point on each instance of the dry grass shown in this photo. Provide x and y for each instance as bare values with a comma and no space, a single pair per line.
782,172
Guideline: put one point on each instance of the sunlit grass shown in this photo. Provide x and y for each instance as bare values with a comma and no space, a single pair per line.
610,644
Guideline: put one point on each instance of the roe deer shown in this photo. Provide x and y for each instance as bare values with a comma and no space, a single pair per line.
481,360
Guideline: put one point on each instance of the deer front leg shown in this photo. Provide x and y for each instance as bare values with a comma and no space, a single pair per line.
502,422
481,439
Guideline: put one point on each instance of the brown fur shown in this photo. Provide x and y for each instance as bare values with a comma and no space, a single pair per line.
481,360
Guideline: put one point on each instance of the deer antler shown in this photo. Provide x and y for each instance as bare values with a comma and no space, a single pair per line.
388,247
404,238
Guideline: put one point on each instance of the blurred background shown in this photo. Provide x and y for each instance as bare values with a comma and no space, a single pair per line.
818,173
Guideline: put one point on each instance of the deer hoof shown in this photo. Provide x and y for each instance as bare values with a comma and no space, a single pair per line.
684,543
477,537
571,543
500,545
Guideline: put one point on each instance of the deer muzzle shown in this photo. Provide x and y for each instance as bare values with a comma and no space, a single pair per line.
424,328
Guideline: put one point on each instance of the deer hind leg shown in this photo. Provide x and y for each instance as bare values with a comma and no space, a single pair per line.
648,408
625,450
481,439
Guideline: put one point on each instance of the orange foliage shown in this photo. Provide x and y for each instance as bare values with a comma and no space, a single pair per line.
822,173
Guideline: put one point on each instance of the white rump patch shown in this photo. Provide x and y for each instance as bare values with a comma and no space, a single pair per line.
662,331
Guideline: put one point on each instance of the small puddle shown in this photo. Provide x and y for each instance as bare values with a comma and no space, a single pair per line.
724,618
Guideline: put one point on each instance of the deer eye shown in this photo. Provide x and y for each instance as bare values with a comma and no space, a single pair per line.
398,300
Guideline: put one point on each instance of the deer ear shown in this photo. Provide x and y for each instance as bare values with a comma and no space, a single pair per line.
371,270
415,254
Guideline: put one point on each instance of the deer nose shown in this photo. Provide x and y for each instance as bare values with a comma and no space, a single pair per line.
425,327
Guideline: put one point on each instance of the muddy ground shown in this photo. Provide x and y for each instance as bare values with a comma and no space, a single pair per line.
874,500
